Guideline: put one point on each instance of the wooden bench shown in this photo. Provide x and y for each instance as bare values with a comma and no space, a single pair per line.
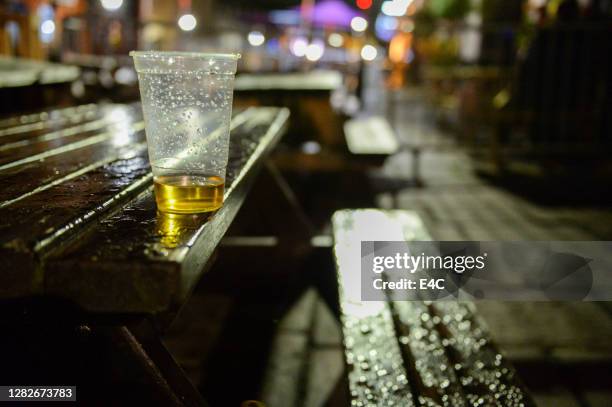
413,353
372,140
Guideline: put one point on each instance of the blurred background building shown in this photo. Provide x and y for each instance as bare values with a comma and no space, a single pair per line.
523,84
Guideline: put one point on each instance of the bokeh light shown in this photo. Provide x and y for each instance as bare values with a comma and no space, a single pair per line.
359,24
364,4
314,51
298,47
47,27
335,40
187,22
111,5
395,8
256,38
368,52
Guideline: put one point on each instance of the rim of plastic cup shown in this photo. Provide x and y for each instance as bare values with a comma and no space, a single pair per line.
183,54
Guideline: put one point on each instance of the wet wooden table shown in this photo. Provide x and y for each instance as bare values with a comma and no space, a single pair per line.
79,225
78,219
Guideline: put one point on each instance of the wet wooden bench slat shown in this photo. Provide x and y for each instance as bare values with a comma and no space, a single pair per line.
41,120
57,127
440,353
91,210
376,374
22,179
434,376
111,120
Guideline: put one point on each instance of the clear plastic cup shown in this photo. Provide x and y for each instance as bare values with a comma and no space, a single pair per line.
187,106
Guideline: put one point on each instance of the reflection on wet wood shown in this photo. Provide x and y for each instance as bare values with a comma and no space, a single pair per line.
39,120
407,352
78,217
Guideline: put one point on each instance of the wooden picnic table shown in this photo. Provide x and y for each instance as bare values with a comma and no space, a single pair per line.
32,84
79,226
306,94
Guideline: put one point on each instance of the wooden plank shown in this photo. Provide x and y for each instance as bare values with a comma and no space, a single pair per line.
435,377
38,122
35,117
111,120
375,370
22,180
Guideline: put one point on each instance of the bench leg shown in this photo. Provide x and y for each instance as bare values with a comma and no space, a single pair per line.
159,364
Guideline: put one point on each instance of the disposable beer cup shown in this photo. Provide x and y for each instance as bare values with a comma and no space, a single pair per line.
187,106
